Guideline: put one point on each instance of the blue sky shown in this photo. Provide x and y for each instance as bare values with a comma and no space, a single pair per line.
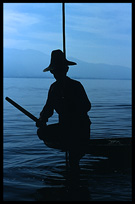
95,32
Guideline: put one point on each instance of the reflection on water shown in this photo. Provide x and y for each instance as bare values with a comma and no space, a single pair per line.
87,184
68,186
51,180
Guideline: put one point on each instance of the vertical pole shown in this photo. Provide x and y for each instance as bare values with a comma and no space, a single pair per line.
64,50
63,14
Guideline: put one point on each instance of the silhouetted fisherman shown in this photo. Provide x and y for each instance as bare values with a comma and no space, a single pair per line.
68,98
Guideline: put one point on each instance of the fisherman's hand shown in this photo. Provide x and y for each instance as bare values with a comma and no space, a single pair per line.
40,123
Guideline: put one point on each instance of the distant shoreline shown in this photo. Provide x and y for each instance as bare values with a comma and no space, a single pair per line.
69,76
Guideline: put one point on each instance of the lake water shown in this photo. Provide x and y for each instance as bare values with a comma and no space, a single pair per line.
34,172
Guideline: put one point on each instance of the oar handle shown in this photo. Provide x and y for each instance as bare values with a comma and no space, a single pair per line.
21,109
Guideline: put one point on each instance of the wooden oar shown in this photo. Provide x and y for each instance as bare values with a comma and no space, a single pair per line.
21,109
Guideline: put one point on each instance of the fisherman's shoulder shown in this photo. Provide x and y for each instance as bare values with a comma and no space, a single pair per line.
74,82
53,86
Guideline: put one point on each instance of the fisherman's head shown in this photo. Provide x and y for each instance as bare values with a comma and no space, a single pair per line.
60,72
58,65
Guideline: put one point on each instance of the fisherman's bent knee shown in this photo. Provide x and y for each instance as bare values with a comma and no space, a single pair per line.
41,133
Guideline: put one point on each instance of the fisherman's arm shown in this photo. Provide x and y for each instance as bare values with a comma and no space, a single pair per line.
83,104
46,112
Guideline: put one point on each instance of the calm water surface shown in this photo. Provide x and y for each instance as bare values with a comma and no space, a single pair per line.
34,172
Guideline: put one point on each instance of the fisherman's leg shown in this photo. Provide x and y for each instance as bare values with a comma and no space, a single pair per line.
49,132
76,153
74,158
41,132
73,162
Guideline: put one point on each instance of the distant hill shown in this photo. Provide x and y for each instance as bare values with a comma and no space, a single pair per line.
24,63
30,63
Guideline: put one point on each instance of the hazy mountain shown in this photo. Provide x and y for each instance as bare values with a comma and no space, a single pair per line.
24,63
30,63
99,71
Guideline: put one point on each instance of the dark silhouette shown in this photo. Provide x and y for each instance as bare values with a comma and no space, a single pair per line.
68,98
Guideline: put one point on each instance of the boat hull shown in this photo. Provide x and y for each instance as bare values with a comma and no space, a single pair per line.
103,147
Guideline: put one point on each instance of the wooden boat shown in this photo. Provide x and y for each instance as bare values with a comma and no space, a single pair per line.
103,147
115,153
107,147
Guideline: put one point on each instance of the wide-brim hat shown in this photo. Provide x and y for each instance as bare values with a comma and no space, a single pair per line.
58,60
